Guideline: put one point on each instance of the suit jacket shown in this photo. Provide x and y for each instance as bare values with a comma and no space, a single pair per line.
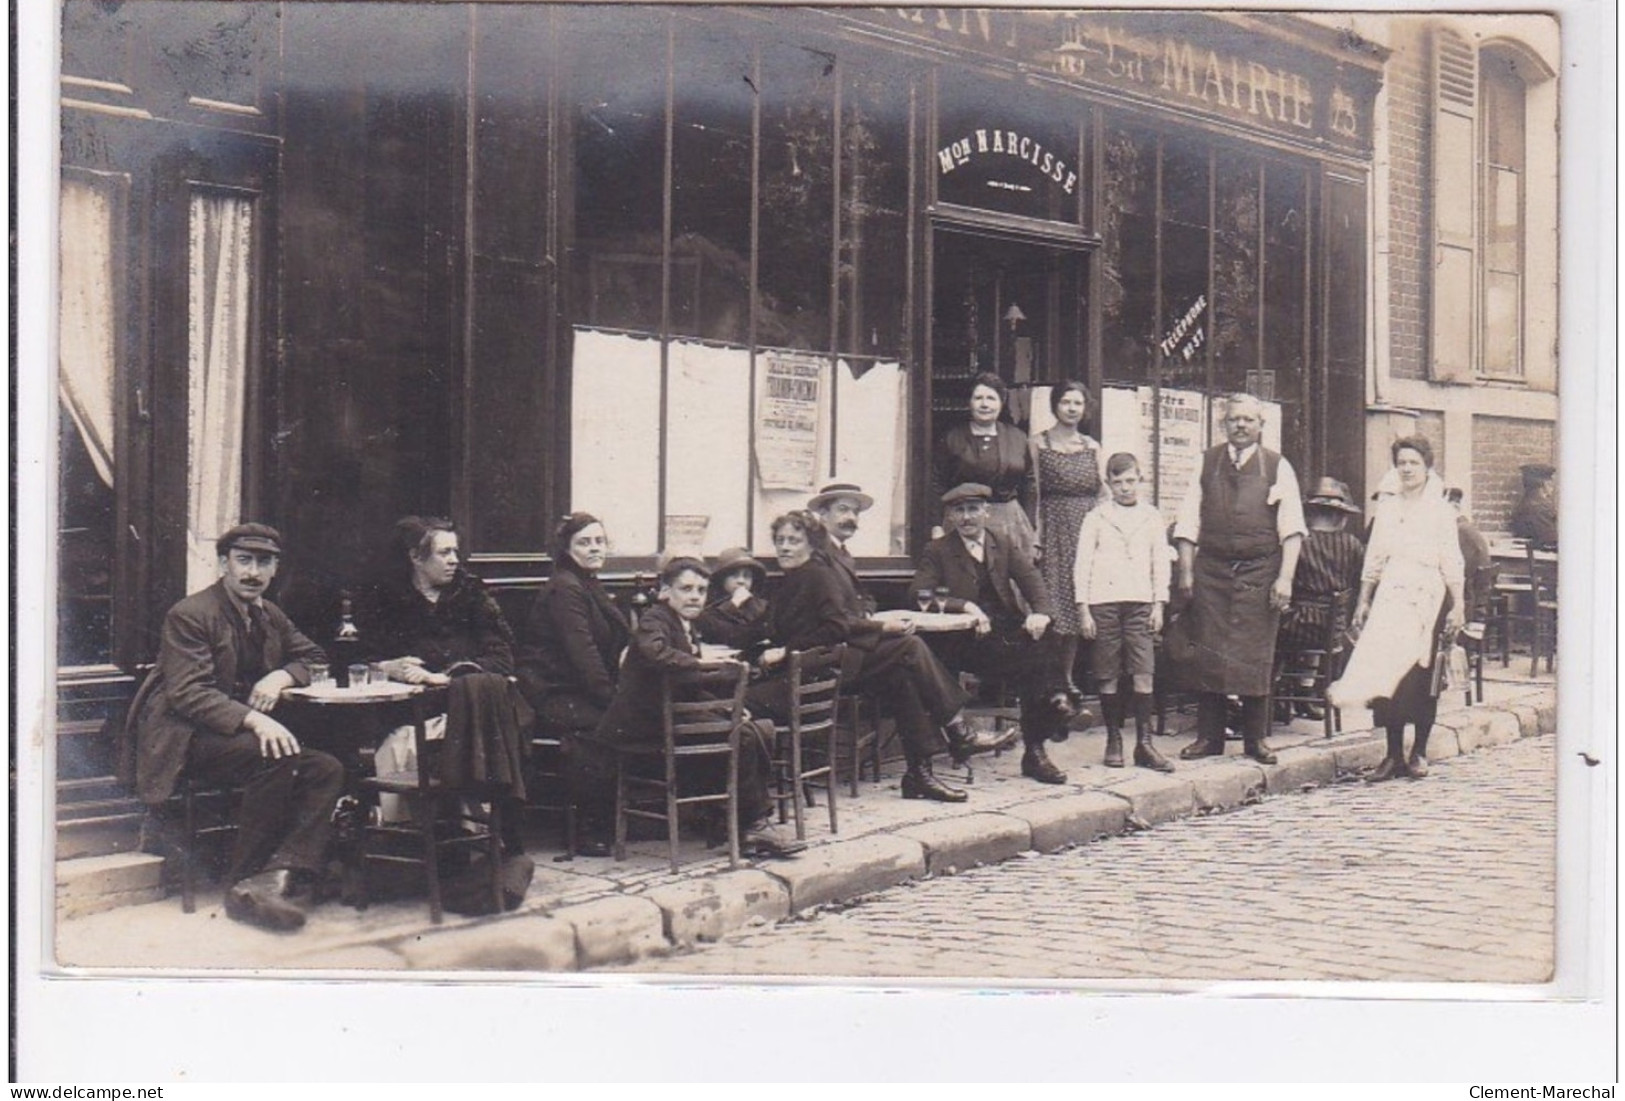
659,646
188,692
572,640
947,562
848,565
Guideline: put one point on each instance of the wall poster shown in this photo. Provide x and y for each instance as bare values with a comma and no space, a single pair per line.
789,424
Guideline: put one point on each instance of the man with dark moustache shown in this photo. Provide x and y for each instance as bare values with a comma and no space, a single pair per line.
1239,533
839,505
225,656
1010,642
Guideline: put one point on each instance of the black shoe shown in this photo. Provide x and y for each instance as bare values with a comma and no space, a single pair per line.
1417,766
1114,749
260,900
922,783
1200,748
1146,755
1312,711
963,745
1260,751
771,840
1387,770
1036,765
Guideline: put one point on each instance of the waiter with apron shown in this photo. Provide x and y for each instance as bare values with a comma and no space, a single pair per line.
1238,537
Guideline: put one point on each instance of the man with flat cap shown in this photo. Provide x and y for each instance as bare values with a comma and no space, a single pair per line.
839,505
1011,641
225,656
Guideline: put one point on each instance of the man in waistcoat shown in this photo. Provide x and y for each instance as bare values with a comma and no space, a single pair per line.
206,711
1238,536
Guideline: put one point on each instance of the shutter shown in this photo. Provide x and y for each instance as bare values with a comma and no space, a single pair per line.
1454,329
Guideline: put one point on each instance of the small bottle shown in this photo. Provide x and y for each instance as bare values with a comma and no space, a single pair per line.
346,644
640,598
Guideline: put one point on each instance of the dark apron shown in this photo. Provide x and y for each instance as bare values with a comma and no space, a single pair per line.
1233,626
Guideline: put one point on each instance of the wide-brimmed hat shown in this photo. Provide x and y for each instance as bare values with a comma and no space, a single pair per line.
259,538
1333,494
736,557
837,490
967,491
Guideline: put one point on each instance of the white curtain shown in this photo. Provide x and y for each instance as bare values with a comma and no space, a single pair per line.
218,310
85,344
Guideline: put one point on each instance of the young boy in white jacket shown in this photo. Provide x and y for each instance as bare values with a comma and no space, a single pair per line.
1121,578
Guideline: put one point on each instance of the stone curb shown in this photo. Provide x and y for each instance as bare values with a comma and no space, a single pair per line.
624,928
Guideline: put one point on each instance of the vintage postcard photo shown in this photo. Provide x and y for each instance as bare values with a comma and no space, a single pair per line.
991,497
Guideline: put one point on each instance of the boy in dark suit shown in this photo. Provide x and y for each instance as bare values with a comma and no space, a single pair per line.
663,644
225,656
983,578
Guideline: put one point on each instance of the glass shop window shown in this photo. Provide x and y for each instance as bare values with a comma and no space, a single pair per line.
85,376
1182,330
1129,253
797,196
618,67
1237,263
875,155
714,73
1281,377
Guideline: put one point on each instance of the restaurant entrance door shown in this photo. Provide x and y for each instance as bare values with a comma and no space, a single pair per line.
1010,306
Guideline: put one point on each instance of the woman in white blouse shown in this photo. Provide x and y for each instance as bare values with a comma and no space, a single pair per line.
1410,588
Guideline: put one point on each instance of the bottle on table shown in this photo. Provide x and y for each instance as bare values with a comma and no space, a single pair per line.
346,644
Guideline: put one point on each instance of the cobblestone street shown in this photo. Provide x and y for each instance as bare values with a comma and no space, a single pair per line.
1446,879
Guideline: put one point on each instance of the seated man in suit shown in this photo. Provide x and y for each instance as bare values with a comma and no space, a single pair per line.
224,657
662,644
983,578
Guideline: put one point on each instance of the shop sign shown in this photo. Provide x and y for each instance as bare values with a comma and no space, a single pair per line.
1185,60
1001,146
789,421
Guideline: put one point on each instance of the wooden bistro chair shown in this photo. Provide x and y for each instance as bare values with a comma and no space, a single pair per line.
438,814
814,687
701,713
1543,609
548,781
1318,665
1475,636
858,738
1512,604
207,812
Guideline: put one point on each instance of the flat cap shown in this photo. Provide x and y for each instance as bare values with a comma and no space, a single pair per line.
967,491
261,538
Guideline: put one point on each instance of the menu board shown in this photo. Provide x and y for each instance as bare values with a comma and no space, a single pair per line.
788,421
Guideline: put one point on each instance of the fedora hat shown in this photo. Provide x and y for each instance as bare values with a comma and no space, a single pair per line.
1333,494
836,490
736,557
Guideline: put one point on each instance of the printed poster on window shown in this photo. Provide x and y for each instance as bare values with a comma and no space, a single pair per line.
789,421
1179,442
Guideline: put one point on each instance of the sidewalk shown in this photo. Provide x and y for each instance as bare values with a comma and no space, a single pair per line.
592,912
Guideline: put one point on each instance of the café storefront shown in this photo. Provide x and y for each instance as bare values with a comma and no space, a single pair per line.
333,263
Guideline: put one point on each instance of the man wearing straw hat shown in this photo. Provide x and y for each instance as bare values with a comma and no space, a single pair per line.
839,505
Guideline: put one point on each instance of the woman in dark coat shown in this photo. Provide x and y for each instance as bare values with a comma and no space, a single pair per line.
816,605
571,643
986,450
434,614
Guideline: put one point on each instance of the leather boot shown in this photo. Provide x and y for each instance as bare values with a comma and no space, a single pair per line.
1387,770
1201,747
261,900
1259,750
919,782
963,745
1036,765
1111,708
1145,753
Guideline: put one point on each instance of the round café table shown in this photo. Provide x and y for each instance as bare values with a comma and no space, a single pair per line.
929,622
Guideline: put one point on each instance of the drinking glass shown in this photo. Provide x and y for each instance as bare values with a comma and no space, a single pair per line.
321,676
358,675
922,597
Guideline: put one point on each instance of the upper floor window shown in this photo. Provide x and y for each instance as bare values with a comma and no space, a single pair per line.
1482,106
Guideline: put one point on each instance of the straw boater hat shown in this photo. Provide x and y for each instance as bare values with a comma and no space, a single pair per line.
836,490
1332,494
735,557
